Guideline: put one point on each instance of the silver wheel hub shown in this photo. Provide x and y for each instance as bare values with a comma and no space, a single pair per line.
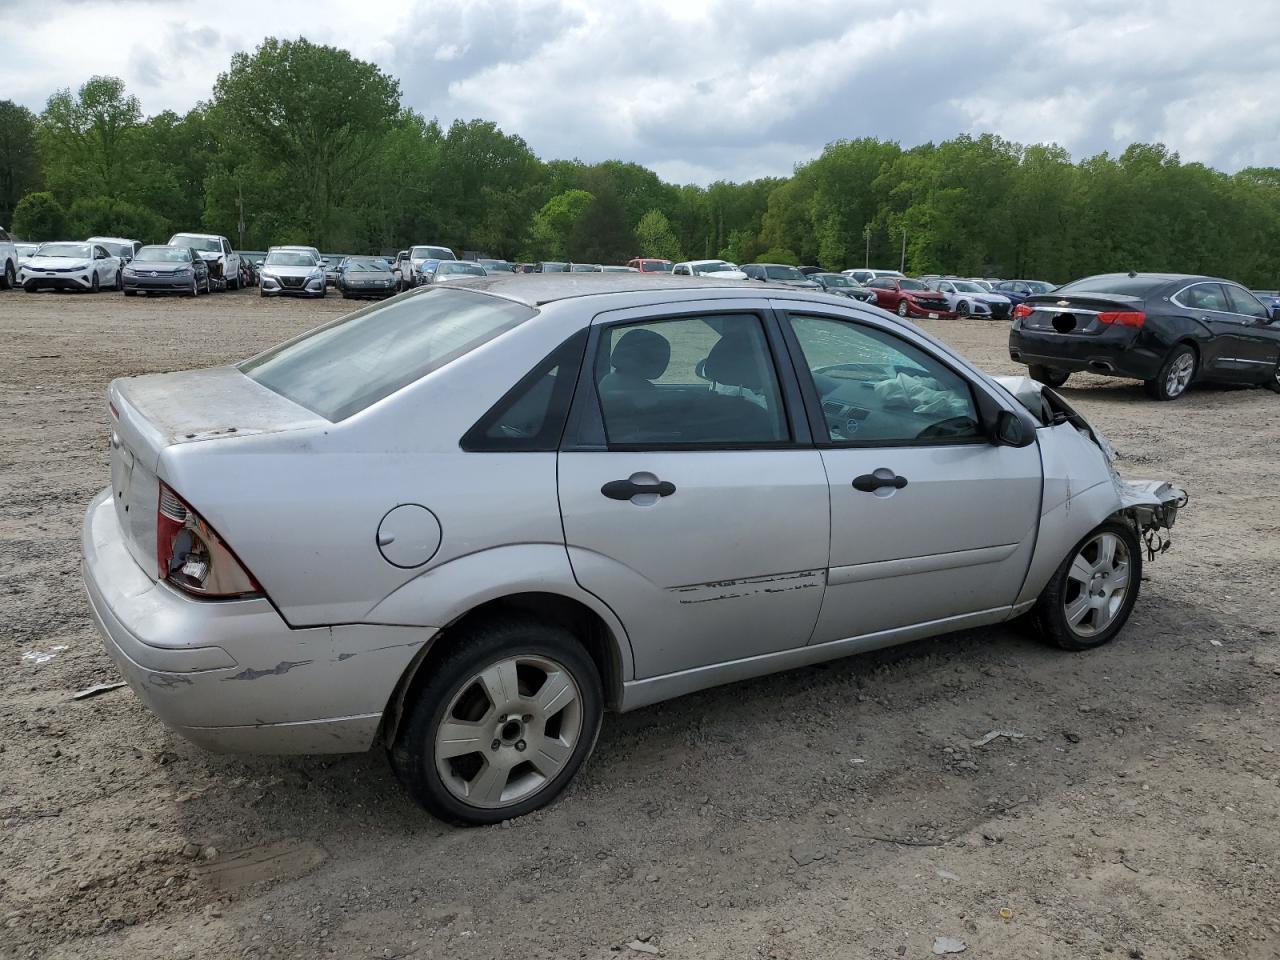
508,731
1180,374
1098,583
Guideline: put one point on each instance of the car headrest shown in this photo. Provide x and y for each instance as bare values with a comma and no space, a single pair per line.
641,353
734,361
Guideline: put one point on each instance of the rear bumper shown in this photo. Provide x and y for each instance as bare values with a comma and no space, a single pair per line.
1105,354
233,676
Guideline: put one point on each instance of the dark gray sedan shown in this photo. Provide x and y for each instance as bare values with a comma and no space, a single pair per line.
365,277
162,268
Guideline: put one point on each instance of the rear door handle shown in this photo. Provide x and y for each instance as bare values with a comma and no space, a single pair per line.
870,483
626,489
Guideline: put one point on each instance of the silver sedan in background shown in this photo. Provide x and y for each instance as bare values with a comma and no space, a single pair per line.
466,522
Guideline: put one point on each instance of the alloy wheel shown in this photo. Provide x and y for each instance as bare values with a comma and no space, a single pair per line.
509,731
1179,376
1098,583
903,309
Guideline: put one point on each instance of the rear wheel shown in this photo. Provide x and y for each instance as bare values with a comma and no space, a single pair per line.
1175,375
1047,375
10,279
93,284
1090,596
903,309
1274,382
502,723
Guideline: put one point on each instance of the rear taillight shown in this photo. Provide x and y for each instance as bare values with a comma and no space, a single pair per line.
1023,310
1123,318
192,557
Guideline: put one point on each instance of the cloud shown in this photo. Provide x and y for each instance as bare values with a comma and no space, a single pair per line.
725,89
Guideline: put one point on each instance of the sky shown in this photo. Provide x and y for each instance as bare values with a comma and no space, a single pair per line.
722,89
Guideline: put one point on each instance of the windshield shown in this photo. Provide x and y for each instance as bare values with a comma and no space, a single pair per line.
458,266
1039,286
430,253
551,266
81,251
655,266
26,249
836,280
371,265
581,268
716,266
165,254
784,273
1118,283
290,258
964,286
501,266
910,284
341,368
203,244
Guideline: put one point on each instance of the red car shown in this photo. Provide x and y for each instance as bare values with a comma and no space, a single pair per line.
910,298
649,265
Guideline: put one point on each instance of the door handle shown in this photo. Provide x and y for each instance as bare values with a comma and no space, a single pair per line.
626,489
869,482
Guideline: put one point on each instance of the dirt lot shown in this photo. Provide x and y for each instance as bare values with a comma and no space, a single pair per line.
840,811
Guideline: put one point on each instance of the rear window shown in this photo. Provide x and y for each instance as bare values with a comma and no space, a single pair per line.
1121,284
343,367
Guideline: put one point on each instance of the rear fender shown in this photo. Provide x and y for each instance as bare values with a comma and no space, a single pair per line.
444,594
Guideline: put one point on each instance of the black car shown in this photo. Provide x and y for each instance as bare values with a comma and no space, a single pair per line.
161,268
365,277
843,286
1165,329
779,273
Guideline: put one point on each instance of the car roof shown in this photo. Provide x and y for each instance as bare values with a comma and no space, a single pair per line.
1168,277
110,240
537,289
202,236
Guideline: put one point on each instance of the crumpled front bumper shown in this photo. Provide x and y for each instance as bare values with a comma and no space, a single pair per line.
1153,506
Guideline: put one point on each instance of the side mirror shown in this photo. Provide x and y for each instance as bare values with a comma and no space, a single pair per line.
1275,315
1012,431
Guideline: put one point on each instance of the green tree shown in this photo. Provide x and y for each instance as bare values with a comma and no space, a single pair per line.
104,216
86,138
39,217
655,238
311,117
19,160
549,231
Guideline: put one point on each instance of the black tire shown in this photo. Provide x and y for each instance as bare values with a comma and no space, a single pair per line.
29,286
233,283
10,278
1159,388
903,309
194,291
1274,383
962,308
412,755
131,293
262,293
93,284
119,280
1050,609
1047,375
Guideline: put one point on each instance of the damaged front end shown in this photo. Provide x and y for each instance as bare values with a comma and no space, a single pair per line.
1150,505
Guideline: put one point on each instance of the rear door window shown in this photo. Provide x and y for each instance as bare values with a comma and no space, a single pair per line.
1245,303
693,381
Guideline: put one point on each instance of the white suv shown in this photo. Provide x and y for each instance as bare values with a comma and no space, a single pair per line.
8,261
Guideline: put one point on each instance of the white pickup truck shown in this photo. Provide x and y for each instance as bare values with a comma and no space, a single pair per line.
224,263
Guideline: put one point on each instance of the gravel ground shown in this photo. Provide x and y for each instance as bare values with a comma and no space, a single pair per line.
837,811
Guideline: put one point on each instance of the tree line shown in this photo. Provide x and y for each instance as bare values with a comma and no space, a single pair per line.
302,143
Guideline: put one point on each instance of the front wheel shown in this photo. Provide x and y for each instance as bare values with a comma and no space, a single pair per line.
1090,596
501,725
1274,383
962,308
903,309
93,284
1175,376
10,279
1047,375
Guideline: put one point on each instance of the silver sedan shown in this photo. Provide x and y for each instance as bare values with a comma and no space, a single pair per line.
465,522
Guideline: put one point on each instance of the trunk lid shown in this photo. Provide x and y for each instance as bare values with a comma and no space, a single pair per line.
1078,315
161,410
